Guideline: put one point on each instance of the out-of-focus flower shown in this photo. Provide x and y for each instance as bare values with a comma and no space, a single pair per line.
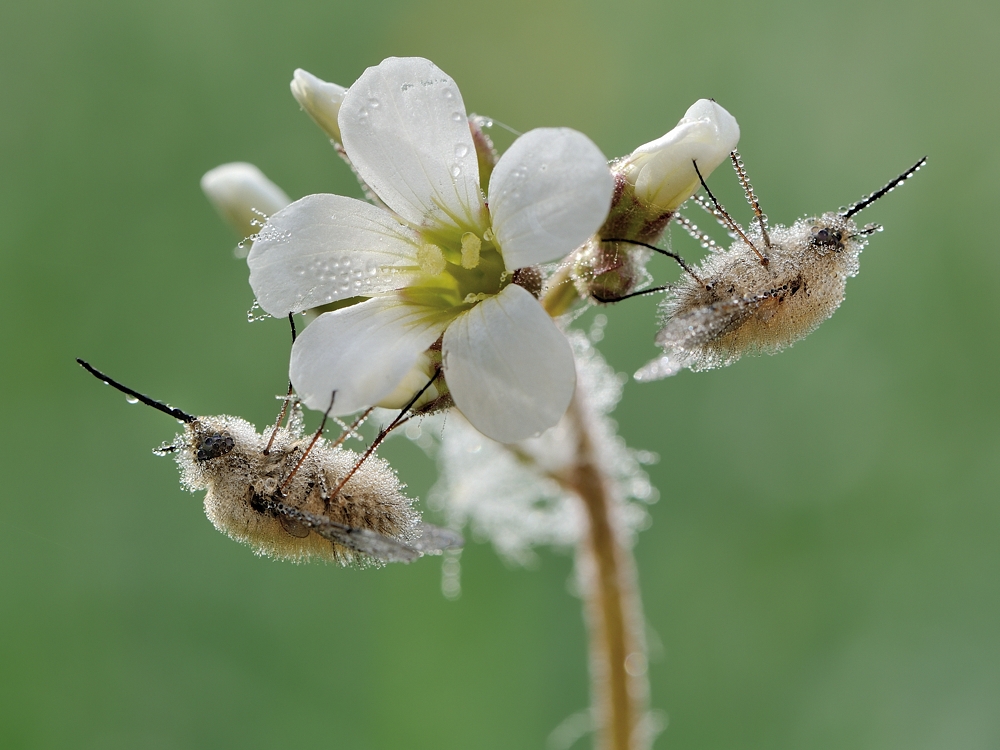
510,494
243,196
440,263
320,100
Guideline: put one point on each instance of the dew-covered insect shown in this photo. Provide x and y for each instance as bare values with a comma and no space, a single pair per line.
772,287
294,496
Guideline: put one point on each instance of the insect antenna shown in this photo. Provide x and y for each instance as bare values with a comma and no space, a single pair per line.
741,173
680,261
158,405
869,199
400,419
733,226
288,397
309,447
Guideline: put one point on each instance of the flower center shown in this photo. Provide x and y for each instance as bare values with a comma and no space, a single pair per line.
458,272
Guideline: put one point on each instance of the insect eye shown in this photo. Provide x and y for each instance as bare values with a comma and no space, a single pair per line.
826,236
214,445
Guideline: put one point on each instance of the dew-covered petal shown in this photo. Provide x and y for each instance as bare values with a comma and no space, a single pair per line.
509,367
406,131
325,248
362,352
548,194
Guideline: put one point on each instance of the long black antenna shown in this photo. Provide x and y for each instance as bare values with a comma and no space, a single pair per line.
160,406
869,199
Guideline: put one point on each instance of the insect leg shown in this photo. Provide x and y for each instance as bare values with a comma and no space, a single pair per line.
288,397
312,442
680,261
733,226
400,418
741,173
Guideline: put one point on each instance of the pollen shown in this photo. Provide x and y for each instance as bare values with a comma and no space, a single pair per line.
471,245
431,259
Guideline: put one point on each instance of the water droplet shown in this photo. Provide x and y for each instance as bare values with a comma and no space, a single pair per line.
461,150
374,103
456,171
131,399
449,94
457,116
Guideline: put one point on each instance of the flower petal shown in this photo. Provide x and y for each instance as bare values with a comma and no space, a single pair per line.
362,352
548,194
509,368
406,131
325,248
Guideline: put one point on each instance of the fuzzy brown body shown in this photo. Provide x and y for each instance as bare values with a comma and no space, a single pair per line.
249,498
739,305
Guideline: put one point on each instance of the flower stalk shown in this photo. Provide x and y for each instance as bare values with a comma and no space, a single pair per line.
608,583
609,586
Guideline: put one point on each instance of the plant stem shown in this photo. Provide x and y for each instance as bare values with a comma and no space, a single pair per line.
607,572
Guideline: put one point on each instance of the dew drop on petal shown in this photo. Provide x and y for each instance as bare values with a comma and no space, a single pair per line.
461,150
457,116
456,170
374,103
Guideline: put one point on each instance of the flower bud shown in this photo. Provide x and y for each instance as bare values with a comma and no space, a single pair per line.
661,172
243,196
320,100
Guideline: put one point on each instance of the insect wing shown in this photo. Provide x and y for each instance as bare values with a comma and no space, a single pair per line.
706,323
365,541
434,540
368,542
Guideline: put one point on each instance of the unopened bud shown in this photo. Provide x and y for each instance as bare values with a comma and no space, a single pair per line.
243,196
607,271
662,172
320,100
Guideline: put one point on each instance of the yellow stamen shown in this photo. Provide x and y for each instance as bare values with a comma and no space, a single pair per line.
431,259
470,250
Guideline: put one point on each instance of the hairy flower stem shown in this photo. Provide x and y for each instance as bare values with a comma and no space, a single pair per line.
607,573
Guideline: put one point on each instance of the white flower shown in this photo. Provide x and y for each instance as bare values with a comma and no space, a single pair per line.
320,100
439,262
242,195
661,171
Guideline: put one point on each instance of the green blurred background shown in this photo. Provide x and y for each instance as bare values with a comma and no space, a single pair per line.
822,566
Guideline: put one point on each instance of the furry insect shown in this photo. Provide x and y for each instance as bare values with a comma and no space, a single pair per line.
296,497
771,288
